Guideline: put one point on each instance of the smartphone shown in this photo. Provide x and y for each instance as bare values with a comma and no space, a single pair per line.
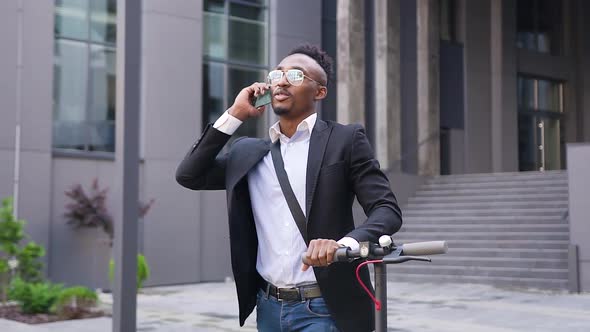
263,99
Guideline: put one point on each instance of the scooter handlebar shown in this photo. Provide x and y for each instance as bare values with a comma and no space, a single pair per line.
345,254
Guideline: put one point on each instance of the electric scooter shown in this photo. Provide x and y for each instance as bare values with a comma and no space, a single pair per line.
381,254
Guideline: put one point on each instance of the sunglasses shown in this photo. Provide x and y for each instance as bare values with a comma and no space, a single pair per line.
295,77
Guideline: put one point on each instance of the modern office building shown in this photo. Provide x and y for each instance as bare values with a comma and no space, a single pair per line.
443,87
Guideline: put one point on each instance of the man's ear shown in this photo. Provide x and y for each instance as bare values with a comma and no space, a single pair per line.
321,93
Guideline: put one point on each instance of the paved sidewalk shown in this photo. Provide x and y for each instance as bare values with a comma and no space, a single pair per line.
412,307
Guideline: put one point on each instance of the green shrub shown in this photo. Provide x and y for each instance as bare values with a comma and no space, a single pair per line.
29,266
34,298
73,302
143,270
26,264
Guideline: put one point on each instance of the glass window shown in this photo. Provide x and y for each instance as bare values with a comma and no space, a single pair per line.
213,91
247,11
447,20
247,41
540,26
71,19
540,127
539,95
84,75
103,21
236,54
214,35
69,94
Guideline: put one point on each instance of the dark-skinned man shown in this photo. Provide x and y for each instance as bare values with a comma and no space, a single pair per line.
293,194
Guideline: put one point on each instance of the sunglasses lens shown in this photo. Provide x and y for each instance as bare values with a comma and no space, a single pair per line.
295,76
274,77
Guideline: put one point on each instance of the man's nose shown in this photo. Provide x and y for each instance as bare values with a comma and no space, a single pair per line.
283,81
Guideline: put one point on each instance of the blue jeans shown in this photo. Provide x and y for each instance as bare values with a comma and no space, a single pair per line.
302,316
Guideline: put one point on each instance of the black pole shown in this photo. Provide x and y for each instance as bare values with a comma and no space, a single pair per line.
381,295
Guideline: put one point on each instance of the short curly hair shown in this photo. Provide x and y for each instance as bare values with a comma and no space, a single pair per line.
319,55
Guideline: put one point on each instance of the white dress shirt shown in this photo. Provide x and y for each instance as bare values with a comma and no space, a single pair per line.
280,244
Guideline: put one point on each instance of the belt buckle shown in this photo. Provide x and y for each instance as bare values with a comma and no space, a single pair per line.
289,294
279,295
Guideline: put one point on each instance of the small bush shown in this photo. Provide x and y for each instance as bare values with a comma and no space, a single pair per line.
34,298
29,264
74,302
143,270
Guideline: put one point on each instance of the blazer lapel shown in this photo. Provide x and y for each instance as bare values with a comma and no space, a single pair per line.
317,147
246,159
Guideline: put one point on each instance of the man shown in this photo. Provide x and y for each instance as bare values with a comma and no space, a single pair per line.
327,165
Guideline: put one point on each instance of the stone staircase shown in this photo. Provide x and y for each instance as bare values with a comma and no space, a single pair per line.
504,229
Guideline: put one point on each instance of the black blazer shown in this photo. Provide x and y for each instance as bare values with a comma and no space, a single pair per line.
340,165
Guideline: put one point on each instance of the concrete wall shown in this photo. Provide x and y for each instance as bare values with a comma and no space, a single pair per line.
8,22
582,25
171,110
478,139
27,71
578,159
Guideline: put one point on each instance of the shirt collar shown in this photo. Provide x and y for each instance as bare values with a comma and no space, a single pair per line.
305,126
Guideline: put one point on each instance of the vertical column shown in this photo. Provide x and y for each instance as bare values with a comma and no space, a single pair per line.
496,83
350,62
387,84
478,137
583,30
508,107
127,164
428,87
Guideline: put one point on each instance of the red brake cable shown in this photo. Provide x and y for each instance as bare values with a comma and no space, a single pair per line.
358,277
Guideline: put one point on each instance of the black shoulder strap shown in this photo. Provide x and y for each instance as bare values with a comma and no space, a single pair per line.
277,160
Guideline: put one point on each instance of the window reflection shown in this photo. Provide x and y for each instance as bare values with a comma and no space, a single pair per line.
540,26
235,48
84,75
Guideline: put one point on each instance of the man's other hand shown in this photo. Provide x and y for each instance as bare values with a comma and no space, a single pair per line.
320,252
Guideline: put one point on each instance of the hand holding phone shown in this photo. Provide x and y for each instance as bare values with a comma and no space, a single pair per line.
245,104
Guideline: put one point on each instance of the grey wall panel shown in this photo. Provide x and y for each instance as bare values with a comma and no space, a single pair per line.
509,116
8,40
35,195
37,73
451,85
215,245
404,186
172,77
477,87
172,228
408,89
578,159
171,111
179,8
284,44
6,173
291,24
584,61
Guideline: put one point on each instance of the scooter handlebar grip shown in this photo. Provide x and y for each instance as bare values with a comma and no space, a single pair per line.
425,248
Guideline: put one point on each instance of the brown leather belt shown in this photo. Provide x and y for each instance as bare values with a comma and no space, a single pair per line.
300,293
